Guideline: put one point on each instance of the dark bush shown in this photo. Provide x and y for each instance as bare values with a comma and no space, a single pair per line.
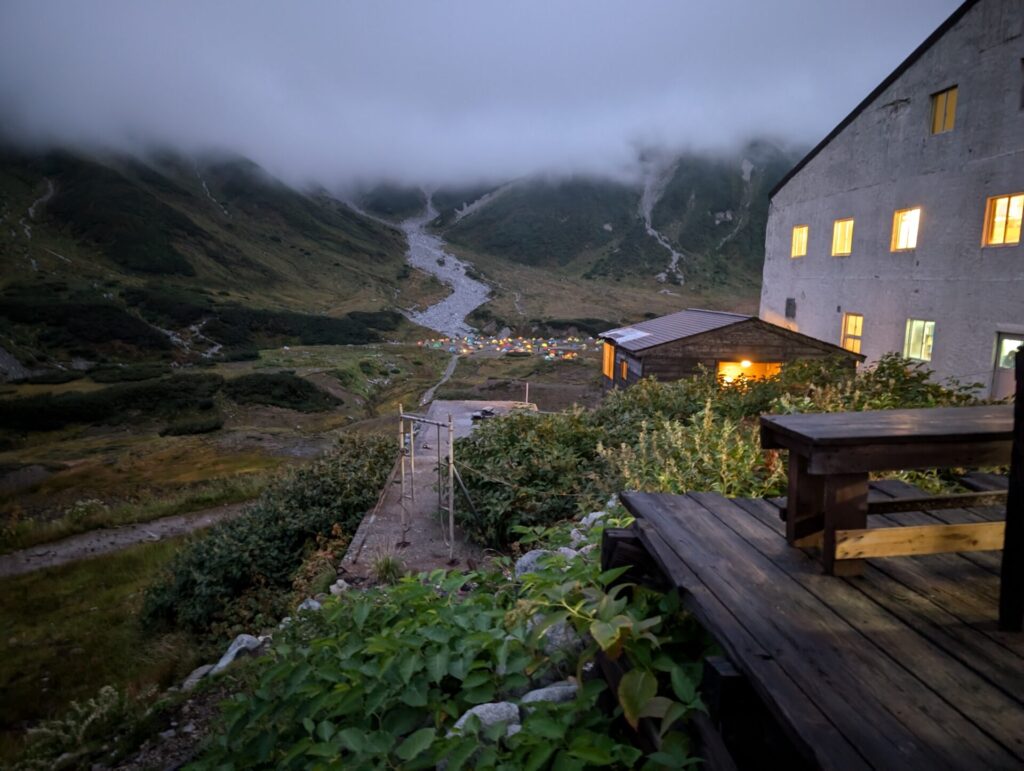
52,377
116,404
198,425
265,546
280,389
129,373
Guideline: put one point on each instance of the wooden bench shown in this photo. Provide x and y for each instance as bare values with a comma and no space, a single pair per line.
903,667
832,454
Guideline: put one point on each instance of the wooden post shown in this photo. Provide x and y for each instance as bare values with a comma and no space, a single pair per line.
1011,578
846,508
412,459
527,397
401,459
451,490
804,503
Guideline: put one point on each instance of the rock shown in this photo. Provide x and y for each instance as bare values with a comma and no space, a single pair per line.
566,552
195,676
588,548
593,518
339,587
612,502
285,622
557,693
188,728
576,537
310,604
530,562
489,714
513,729
562,638
168,734
244,643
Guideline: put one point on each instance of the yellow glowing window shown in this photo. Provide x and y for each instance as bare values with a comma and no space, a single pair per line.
943,110
904,229
919,339
853,328
1003,215
623,370
730,371
608,361
842,237
799,241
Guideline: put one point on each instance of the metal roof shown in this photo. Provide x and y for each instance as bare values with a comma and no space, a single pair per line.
692,321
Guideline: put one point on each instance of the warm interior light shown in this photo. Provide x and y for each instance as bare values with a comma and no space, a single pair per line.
745,363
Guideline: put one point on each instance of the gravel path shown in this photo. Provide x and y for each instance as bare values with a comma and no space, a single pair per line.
98,542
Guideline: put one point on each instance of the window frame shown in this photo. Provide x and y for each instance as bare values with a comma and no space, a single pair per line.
835,233
991,204
897,221
940,106
846,336
608,360
793,241
925,334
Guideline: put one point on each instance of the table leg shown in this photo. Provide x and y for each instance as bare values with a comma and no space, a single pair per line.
846,508
804,501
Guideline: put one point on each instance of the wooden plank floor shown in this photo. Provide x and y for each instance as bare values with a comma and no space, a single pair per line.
903,667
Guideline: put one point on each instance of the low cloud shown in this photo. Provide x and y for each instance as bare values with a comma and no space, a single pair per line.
443,92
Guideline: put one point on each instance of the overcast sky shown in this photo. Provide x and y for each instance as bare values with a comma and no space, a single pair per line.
431,91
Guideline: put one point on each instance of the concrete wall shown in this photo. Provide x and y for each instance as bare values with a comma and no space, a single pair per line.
887,159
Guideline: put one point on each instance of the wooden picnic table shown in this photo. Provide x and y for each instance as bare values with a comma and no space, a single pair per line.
832,454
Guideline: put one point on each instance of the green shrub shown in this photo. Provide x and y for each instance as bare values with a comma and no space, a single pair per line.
208,582
198,425
280,389
706,453
528,469
115,404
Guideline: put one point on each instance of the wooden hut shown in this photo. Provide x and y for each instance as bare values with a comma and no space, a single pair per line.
731,344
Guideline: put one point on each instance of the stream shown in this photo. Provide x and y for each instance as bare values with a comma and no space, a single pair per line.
426,252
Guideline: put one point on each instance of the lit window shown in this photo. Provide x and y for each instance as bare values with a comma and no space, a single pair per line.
1006,355
799,241
730,371
943,110
842,237
904,229
1003,215
917,344
624,370
608,362
853,327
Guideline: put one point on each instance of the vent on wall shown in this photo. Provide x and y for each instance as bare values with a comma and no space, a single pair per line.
790,307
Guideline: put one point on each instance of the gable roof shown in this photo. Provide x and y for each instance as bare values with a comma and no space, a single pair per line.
903,67
692,321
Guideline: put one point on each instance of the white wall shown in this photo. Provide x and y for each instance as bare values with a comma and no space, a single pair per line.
887,159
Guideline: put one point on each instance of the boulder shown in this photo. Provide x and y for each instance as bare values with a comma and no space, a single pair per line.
557,693
566,552
489,714
195,676
576,538
592,519
530,562
339,587
243,644
309,604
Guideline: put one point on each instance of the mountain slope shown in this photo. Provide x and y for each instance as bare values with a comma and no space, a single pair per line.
222,242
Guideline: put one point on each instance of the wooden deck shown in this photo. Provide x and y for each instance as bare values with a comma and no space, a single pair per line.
901,667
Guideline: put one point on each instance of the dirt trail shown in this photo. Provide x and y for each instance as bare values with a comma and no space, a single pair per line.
98,542
428,396
424,534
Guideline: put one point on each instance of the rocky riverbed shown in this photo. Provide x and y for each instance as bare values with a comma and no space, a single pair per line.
427,252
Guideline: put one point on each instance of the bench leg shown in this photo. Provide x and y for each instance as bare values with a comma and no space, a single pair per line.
846,507
804,501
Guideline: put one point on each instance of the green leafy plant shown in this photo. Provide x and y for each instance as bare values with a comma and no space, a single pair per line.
280,389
